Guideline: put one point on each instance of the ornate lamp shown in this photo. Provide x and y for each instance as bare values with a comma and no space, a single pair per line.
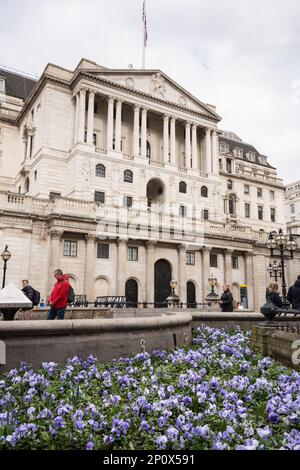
6,255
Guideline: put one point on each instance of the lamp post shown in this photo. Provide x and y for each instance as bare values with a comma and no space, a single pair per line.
212,280
275,270
5,256
173,285
173,299
281,242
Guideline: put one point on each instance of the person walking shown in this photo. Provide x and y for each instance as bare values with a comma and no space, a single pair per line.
59,296
273,296
294,294
226,301
28,290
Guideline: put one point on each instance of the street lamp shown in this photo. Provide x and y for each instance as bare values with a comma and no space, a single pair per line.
212,280
5,256
173,299
275,270
281,242
173,285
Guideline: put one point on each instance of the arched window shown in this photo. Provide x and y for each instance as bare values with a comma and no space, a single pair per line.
229,184
204,191
128,176
182,187
27,184
148,150
100,170
232,204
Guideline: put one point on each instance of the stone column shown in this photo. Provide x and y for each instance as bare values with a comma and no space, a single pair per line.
194,147
81,117
76,118
110,123
182,273
90,119
250,279
166,139
187,145
150,271
208,150
172,142
29,144
228,267
205,270
121,266
118,132
55,240
136,131
215,152
89,267
144,133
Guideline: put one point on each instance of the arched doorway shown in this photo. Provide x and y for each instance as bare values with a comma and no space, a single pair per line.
131,293
162,279
155,192
191,295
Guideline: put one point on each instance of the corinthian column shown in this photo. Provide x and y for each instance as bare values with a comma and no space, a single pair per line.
110,123
250,280
228,267
187,144
150,271
166,139
208,150
118,132
172,142
215,153
81,117
136,131
121,266
182,273
194,147
90,120
205,270
76,118
89,267
144,133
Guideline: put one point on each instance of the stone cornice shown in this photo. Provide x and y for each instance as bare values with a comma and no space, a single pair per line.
81,74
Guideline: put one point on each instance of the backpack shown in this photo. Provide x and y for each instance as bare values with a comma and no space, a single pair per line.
71,296
36,297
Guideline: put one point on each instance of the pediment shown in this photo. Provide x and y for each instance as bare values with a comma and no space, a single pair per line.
158,85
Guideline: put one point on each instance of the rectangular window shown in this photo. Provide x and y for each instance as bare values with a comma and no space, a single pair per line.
190,258
247,210
53,195
30,145
260,210
235,262
182,211
246,189
292,208
273,214
132,253
99,196
228,165
35,175
204,214
70,248
272,195
259,192
103,250
127,201
95,139
213,260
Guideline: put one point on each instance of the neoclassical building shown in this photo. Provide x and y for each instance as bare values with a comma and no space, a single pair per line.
123,179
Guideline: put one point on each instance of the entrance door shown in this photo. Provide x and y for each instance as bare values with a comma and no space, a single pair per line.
162,279
191,295
131,292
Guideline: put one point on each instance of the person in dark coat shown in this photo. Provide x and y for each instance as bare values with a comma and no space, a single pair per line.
226,301
27,289
273,296
294,294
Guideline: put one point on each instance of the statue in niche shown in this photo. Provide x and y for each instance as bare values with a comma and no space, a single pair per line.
158,84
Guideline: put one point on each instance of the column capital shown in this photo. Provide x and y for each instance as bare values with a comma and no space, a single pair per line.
151,244
144,110
208,130
173,119
111,98
194,125
56,234
228,251
206,249
181,247
187,124
90,237
119,101
91,92
83,90
137,107
249,254
166,117
122,241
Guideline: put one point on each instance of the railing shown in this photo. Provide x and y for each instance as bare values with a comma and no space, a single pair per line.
182,169
154,163
127,156
101,150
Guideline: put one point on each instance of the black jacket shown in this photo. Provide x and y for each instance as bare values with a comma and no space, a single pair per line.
294,295
227,302
28,291
275,298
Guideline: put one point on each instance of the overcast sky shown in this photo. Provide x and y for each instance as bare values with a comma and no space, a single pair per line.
241,55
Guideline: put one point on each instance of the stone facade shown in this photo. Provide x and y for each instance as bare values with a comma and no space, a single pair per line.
111,171
292,207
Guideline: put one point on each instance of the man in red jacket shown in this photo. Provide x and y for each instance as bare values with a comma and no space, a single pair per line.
59,296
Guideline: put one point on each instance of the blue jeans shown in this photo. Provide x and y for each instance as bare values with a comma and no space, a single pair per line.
53,312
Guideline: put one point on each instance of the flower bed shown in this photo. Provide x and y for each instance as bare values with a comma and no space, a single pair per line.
215,394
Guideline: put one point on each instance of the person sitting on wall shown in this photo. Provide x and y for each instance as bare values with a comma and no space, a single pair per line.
273,296
226,301
294,294
59,296
28,290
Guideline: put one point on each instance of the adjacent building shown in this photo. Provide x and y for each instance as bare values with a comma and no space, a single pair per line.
123,179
